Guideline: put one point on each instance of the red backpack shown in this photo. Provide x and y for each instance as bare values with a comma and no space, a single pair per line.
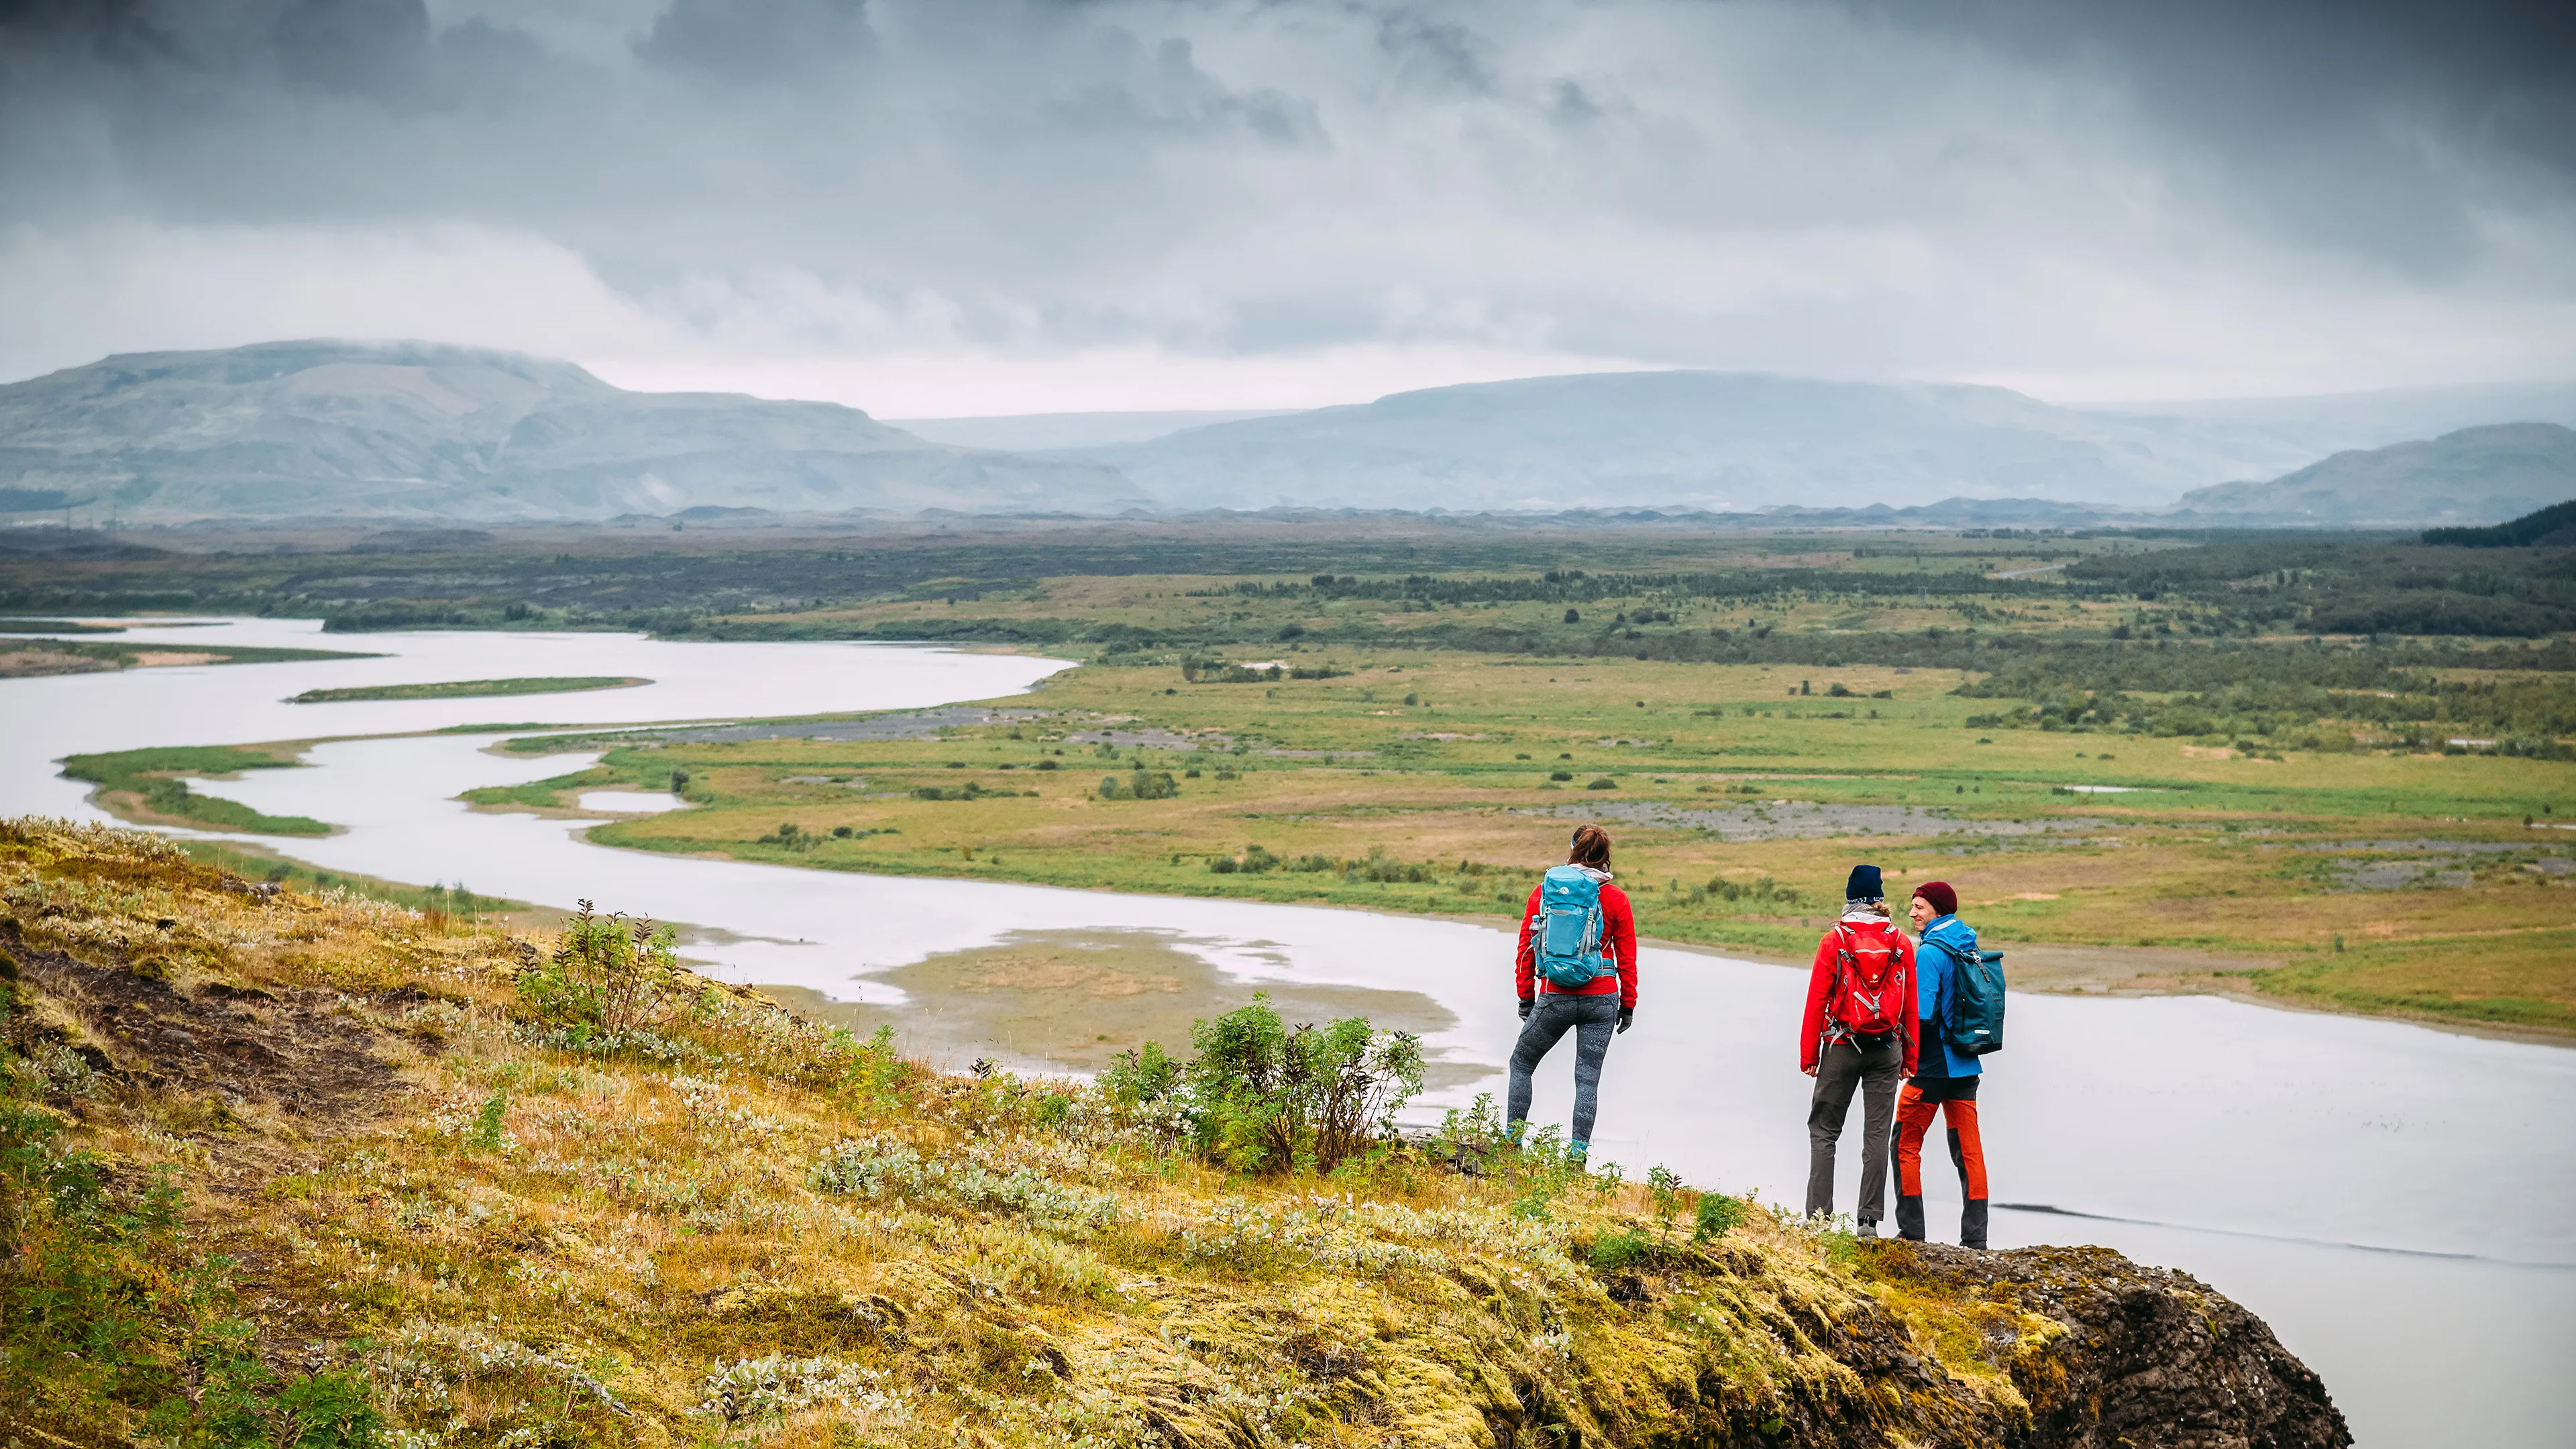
1867,996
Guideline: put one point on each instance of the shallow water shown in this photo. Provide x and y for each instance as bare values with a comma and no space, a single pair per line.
627,802
2249,1146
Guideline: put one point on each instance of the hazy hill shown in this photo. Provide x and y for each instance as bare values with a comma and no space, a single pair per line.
417,431
411,429
2305,429
1031,432
1722,441
2473,476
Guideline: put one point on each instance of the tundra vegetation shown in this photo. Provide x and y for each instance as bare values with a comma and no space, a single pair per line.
303,1168
28,658
2328,770
149,784
470,688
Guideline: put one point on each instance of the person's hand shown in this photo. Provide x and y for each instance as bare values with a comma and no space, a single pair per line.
1810,1071
1526,1004
1627,1017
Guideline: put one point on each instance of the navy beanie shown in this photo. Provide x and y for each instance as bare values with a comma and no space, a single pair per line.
1863,885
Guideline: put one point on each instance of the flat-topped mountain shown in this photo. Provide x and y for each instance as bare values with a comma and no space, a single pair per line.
2475,475
411,429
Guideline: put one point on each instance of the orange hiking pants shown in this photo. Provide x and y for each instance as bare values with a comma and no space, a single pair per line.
1956,1099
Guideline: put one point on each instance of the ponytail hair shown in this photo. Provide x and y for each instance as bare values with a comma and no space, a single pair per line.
1591,847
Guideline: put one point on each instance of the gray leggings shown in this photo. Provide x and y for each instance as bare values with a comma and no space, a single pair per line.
1875,1073
1592,1019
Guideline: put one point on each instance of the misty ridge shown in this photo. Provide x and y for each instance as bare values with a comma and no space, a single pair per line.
422,431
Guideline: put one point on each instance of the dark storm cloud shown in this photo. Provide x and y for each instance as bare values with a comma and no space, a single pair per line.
1849,186
2374,125
757,43
352,45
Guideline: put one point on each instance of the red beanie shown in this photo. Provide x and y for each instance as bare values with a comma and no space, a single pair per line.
1945,901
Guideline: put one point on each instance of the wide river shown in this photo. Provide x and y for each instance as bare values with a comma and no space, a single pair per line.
2399,1203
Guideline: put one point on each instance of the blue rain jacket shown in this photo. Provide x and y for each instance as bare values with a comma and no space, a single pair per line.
1946,942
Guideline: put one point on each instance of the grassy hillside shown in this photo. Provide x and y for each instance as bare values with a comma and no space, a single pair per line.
314,1170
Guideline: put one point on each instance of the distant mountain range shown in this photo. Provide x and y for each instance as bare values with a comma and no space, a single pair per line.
2473,476
415,430
1748,441
420,432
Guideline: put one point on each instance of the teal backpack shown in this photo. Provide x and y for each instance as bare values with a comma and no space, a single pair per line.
1565,939
1976,1024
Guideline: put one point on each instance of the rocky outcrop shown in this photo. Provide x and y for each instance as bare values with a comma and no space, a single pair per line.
2147,1356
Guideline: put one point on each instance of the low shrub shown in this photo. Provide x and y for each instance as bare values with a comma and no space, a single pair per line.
1262,1096
607,977
1716,1214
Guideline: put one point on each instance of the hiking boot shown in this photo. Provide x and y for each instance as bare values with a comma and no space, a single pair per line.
1868,1228
1909,1217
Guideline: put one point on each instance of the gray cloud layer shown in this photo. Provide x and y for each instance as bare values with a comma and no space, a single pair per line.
2024,189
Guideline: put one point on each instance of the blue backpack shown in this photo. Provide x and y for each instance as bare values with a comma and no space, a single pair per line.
1565,937
1976,1024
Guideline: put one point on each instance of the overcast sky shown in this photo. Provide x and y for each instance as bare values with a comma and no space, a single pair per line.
940,207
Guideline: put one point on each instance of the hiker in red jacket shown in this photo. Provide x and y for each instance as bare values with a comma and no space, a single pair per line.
1859,1032
1577,925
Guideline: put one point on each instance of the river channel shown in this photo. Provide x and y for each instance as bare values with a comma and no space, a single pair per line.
2395,1201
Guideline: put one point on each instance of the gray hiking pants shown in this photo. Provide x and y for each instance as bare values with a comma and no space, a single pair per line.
1592,1019
1876,1073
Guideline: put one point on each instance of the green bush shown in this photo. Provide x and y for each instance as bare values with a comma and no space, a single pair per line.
607,977
1717,1213
1262,1096
1141,785
1142,1077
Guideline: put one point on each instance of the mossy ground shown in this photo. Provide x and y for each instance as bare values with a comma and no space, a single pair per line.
383,1173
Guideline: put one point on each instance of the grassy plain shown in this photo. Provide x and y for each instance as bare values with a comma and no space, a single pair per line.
2374,881
470,688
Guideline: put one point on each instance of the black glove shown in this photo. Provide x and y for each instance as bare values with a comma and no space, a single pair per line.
1526,1004
1627,1017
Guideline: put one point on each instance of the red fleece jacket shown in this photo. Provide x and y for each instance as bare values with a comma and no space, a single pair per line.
1618,939
1820,984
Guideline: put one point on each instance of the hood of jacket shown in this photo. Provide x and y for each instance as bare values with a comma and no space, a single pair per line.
1952,935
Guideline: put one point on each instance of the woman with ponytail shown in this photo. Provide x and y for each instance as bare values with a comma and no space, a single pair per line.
1576,971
